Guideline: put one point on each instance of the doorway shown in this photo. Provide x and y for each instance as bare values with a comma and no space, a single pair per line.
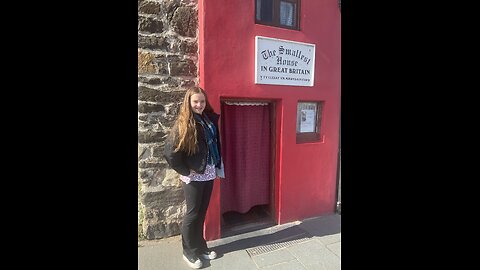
247,192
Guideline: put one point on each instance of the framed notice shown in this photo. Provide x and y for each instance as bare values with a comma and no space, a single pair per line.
284,62
307,121
309,115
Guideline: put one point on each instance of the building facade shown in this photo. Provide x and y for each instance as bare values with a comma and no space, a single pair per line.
271,68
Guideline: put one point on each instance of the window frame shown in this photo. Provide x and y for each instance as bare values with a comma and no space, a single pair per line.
276,15
311,137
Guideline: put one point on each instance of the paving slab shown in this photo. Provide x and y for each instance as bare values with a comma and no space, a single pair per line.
238,260
322,226
272,258
315,256
161,254
336,248
291,265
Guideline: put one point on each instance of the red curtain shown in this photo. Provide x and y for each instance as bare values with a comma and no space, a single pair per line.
246,156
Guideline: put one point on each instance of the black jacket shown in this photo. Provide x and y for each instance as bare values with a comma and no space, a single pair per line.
180,161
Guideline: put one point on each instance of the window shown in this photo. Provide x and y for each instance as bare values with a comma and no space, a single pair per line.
279,13
309,116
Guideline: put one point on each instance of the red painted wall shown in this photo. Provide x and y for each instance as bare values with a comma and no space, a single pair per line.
305,173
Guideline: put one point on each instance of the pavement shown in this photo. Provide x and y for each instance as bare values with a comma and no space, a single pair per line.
313,243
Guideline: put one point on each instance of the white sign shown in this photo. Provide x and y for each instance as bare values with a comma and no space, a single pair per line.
284,62
307,123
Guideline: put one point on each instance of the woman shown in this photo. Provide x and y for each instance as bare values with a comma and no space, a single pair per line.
193,151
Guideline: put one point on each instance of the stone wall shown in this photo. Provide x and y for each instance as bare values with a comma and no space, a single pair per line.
167,66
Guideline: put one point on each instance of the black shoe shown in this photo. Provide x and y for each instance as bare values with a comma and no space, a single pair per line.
192,261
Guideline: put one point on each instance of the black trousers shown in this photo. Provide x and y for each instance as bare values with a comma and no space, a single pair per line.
197,196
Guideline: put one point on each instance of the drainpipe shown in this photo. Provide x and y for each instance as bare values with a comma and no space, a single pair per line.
339,182
339,158
339,168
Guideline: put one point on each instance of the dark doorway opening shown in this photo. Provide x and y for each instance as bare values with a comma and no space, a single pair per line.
258,217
